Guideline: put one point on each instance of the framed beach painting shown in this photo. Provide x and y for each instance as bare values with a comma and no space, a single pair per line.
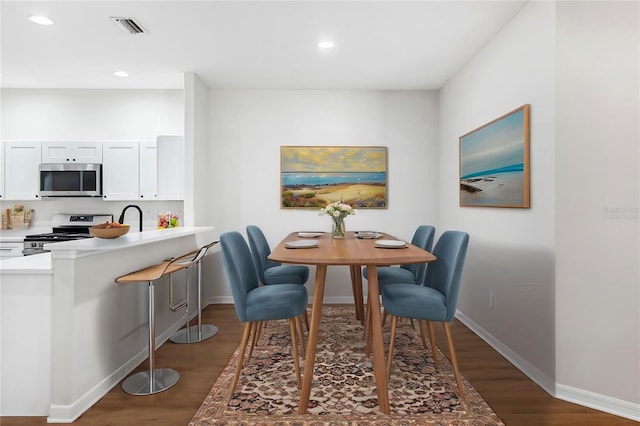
494,162
314,176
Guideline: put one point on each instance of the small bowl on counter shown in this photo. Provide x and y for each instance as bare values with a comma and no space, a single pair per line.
104,231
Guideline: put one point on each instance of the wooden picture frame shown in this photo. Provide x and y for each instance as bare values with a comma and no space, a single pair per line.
494,162
314,176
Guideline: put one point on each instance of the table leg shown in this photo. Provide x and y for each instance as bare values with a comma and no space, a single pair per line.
356,283
316,314
375,322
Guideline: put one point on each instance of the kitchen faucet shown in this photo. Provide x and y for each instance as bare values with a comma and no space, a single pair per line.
121,220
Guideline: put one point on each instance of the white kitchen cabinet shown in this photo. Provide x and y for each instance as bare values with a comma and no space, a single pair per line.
148,171
10,250
72,152
170,167
2,168
21,171
120,171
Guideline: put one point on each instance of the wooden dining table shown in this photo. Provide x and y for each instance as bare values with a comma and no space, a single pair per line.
355,253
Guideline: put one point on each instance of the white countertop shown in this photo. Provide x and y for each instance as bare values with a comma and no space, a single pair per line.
35,264
131,239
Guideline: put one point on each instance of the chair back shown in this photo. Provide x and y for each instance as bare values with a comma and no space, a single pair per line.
445,273
240,270
260,251
423,238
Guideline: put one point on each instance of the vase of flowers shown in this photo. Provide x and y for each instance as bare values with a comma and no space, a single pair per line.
338,211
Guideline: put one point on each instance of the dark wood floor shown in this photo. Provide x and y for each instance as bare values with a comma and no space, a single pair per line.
515,398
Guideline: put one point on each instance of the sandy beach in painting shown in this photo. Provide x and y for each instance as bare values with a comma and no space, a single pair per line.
357,195
493,189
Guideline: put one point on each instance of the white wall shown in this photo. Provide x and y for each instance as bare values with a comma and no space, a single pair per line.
565,272
511,251
598,185
249,126
91,115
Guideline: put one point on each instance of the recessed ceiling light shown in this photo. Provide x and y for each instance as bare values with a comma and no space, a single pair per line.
42,20
121,74
326,45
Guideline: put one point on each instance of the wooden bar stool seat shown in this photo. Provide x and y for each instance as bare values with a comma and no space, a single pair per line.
155,379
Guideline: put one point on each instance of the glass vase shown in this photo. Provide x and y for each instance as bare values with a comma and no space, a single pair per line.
338,228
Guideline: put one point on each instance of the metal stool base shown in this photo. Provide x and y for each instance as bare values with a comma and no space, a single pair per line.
192,335
140,383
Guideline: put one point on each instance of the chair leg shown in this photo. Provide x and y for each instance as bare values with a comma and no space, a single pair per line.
243,347
454,360
392,342
306,318
422,325
294,346
256,329
301,336
432,339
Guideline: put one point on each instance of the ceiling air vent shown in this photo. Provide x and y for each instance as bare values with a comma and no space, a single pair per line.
129,25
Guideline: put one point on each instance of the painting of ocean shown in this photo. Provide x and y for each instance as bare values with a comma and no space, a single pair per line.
494,162
316,176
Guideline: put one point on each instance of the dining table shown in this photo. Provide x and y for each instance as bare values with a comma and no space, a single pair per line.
322,250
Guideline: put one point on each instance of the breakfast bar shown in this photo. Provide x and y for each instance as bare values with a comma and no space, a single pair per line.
69,332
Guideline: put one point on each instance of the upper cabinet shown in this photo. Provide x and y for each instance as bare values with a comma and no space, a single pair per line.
72,152
148,171
170,168
120,166
21,165
2,196
130,170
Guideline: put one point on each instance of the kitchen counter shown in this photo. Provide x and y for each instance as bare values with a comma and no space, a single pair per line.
90,246
35,264
86,333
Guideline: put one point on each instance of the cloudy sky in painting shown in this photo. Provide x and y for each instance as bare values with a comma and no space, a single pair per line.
333,159
495,145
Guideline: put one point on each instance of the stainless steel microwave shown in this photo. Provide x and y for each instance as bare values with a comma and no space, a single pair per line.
70,180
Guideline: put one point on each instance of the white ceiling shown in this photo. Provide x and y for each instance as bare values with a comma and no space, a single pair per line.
245,44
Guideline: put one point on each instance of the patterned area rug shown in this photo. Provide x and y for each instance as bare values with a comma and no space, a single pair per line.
343,391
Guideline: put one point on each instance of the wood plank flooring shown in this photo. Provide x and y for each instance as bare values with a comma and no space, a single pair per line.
514,397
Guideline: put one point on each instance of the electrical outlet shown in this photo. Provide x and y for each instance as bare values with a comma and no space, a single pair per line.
492,299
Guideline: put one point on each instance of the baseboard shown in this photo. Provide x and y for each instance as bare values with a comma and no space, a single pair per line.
69,413
544,381
566,393
599,402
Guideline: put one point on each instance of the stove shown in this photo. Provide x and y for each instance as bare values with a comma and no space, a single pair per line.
66,227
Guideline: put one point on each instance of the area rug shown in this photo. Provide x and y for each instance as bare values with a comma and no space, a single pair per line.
343,390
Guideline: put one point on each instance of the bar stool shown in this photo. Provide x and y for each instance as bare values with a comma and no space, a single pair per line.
156,379
200,332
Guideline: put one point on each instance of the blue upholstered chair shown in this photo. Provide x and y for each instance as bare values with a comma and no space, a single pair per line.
270,272
256,304
423,238
435,300
410,273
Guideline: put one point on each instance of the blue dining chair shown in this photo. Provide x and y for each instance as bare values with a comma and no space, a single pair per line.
409,273
423,238
256,304
270,272
435,300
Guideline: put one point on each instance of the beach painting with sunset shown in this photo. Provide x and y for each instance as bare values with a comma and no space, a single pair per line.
314,176
494,163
